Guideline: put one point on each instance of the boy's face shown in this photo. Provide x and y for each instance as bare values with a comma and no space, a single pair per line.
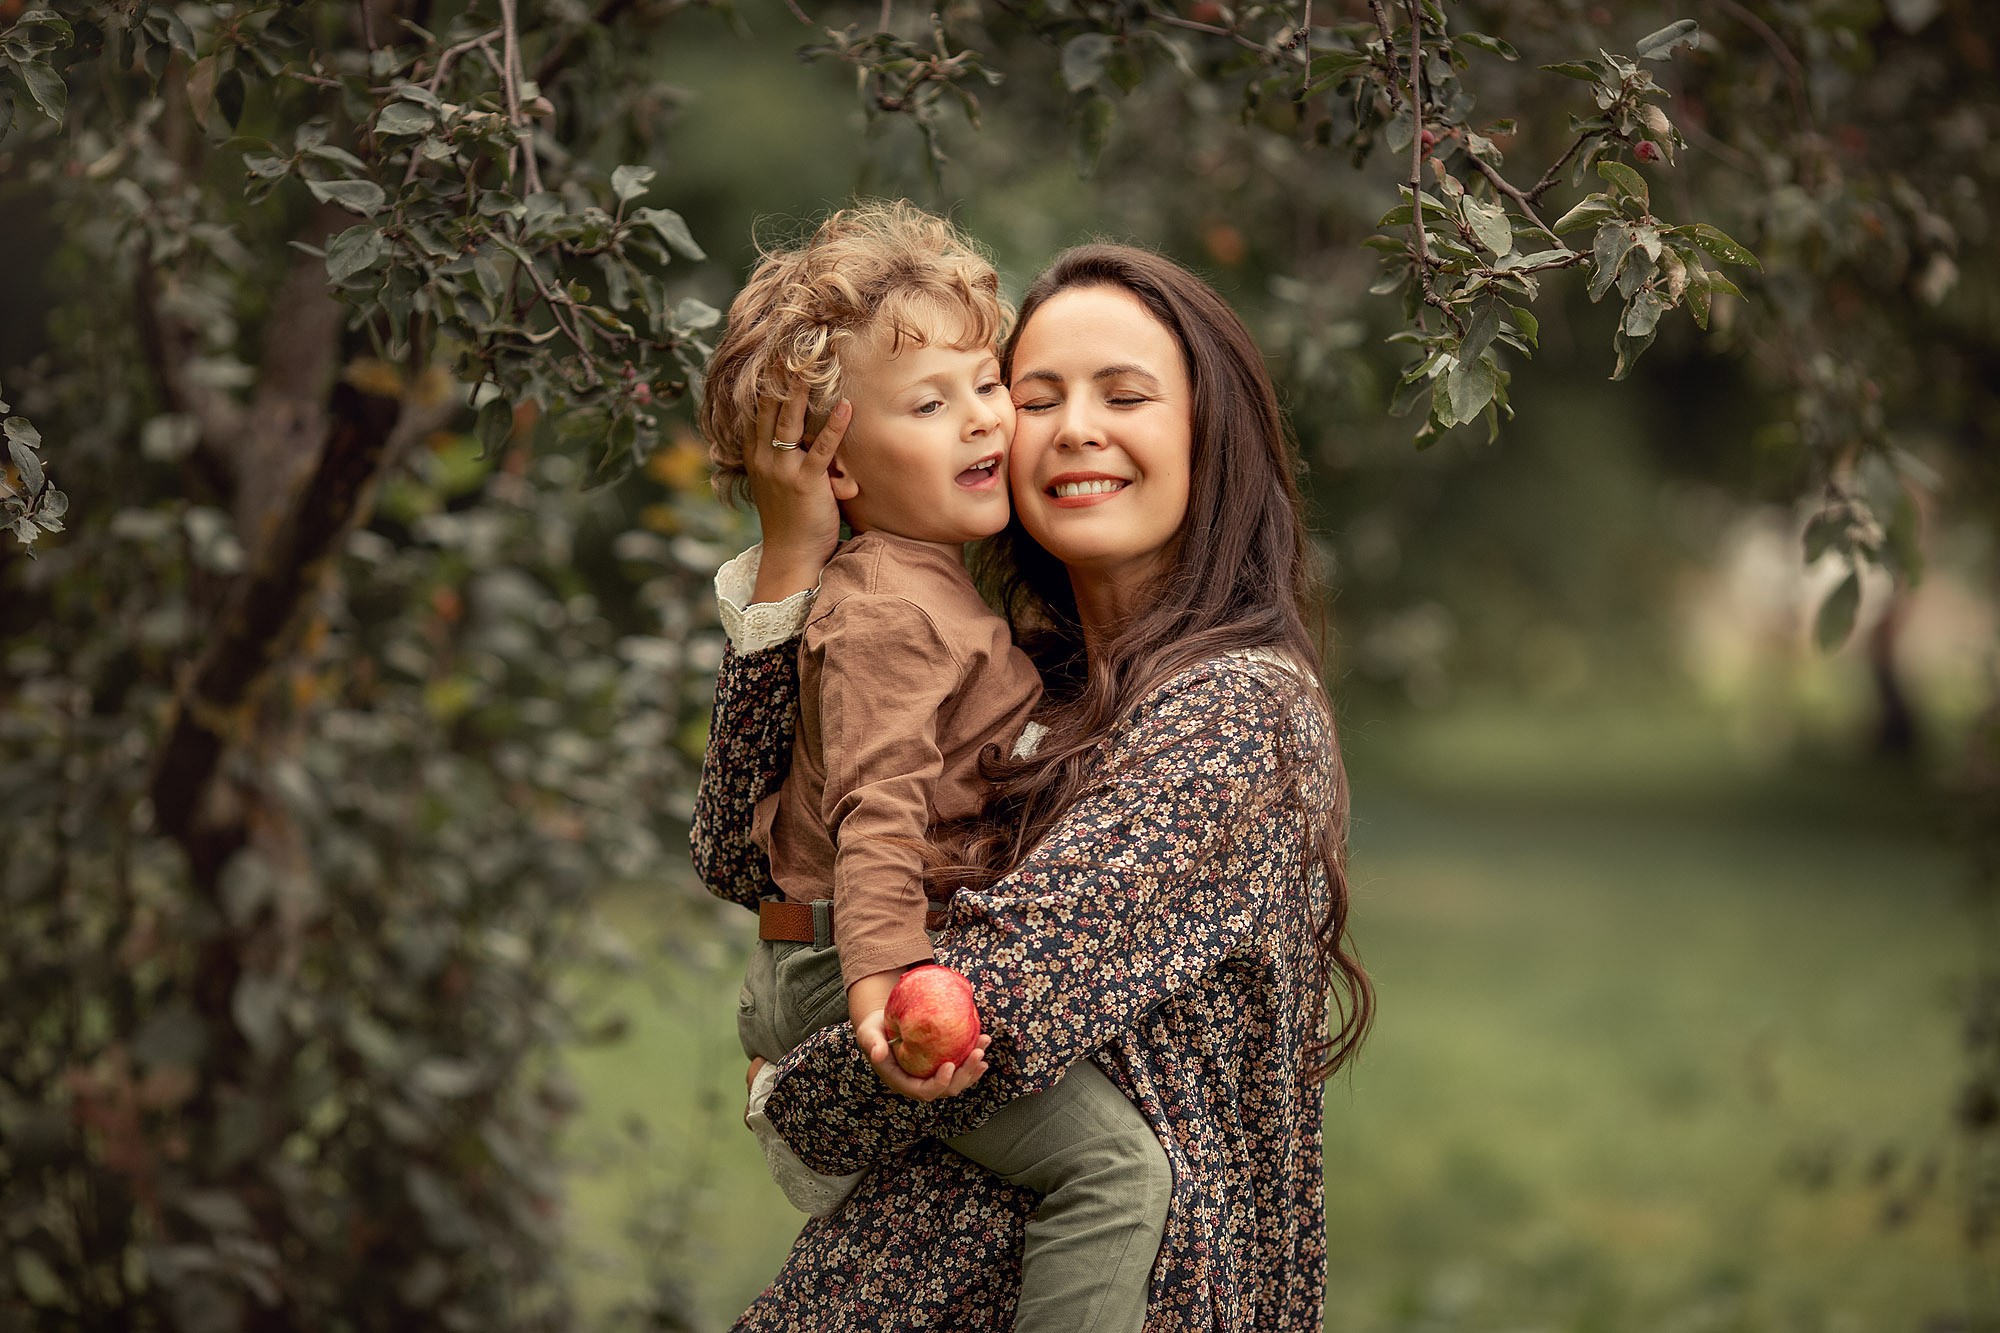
925,456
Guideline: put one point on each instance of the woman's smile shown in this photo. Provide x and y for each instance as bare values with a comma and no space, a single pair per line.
1076,490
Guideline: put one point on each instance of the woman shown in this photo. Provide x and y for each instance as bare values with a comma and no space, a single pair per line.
1159,888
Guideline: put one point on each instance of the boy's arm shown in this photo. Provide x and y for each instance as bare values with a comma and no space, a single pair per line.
885,675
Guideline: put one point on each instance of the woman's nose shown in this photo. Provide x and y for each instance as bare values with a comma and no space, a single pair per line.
1075,430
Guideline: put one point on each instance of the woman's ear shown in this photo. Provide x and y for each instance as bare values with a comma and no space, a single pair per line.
845,488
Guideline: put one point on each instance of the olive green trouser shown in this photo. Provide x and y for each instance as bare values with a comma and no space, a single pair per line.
1081,1145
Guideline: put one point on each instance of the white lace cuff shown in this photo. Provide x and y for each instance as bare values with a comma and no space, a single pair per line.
754,626
808,1191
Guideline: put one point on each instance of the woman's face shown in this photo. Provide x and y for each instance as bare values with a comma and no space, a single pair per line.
1103,434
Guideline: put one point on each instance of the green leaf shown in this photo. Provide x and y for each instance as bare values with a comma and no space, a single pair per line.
27,464
494,424
1697,295
1333,67
1717,244
363,197
1083,60
1479,41
1479,334
1592,210
672,229
694,314
1821,534
1629,349
1718,283
22,429
1469,387
1490,224
1525,321
1642,314
1626,181
629,182
1836,614
256,1006
1662,44
1091,122
46,87
1587,70
37,1281
403,118
1608,251
353,251
201,89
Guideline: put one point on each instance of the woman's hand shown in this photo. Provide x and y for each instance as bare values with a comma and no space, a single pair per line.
795,504
949,1080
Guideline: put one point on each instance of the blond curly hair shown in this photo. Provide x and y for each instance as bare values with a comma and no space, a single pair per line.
871,271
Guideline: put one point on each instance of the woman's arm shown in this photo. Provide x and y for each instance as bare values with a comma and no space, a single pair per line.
749,752
1131,899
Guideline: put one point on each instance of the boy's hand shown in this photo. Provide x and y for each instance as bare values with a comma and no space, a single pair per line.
795,504
872,1036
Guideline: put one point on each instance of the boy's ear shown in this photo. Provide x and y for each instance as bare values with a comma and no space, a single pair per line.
845,488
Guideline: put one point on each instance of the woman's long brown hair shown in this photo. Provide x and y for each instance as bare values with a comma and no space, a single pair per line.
1239,578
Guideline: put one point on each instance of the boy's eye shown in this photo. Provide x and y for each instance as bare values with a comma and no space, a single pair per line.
931,408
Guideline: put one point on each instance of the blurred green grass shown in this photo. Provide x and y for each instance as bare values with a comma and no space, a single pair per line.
1650,1010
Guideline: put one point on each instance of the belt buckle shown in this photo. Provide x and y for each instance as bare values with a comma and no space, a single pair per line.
822,909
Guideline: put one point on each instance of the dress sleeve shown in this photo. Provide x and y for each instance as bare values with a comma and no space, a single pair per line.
885,675
1130,900
750,733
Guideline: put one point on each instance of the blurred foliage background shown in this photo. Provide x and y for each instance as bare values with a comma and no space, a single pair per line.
350,693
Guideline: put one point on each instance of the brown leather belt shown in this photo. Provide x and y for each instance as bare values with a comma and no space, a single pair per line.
793,922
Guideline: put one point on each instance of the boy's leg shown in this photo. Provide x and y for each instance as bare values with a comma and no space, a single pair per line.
790,991
1105,1184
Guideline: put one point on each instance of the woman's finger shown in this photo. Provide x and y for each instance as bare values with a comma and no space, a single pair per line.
791,426
767,419
831,434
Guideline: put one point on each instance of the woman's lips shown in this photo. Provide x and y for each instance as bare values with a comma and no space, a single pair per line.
1080,490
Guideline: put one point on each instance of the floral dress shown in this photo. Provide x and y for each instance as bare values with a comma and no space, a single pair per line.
1163,930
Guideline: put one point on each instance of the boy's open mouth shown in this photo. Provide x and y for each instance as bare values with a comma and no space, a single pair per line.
981,472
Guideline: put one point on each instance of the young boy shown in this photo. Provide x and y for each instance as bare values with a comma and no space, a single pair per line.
905,676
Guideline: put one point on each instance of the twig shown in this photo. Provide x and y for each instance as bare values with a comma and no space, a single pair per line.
1501,184
511,74
882,23
1388,49
1421,247
798,13
556,301
1194,25
1306,54
1554,173
367,24
445,59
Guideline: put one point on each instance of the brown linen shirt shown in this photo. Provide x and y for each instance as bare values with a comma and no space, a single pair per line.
905,675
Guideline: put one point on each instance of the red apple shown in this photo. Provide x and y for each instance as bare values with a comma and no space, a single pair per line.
931,1020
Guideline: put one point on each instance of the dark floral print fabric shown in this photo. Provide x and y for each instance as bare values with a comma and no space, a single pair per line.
1162,930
